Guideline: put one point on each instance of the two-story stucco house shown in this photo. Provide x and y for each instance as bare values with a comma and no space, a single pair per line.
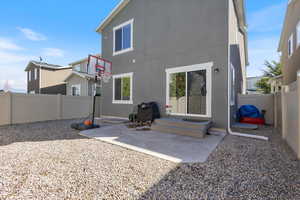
289,45
44,78
190,55
81,82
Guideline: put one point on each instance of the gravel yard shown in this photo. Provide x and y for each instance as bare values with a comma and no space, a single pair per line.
50,161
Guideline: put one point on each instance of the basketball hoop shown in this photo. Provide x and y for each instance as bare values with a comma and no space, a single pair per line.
102,68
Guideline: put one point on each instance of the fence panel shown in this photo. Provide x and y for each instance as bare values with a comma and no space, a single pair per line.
292,119
5,114
278,110
33,108
76,107
27,108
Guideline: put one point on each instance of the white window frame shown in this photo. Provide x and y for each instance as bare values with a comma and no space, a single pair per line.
298,34
131,35
130,101
203,66
291,45
35,73
233,85
29,75
78,86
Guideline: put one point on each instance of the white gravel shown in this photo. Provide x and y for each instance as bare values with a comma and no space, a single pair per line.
50,161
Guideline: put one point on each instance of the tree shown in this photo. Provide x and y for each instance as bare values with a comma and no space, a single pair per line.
263,85
273,69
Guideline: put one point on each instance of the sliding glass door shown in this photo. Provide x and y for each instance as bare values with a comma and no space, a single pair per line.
188,90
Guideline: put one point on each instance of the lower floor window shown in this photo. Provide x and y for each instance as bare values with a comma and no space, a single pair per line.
188,90
75,90
122,88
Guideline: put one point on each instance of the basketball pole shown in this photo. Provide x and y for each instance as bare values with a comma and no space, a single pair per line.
94,101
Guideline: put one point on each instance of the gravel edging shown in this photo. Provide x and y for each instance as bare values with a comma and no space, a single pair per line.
49,160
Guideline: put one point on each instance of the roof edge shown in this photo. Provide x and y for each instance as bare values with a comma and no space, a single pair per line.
283,28
112,14
42,65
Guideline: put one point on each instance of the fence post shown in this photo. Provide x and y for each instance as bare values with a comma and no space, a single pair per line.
10,112
284,109
59,107
298,101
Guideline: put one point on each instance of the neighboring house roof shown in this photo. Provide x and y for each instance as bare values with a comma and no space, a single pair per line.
82,60
45,65
79,74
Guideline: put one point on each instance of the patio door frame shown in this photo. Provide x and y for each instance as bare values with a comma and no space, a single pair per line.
204,66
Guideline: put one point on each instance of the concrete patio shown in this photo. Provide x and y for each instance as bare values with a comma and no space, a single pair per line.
171,147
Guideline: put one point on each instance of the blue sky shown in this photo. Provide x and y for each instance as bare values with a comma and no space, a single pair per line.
62,31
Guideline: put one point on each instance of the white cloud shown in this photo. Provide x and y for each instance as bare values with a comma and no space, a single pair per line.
7,44
267,19
53,52
260,50
12,67
8,58
32,35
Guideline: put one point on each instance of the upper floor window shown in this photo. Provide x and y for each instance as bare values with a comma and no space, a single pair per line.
290,45
35,73
29,75
123,38
298,34
77,68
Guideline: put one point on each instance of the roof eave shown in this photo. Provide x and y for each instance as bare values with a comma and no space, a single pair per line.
240,9
110,17
283,30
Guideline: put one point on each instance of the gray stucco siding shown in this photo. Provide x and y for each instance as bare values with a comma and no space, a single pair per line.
167,34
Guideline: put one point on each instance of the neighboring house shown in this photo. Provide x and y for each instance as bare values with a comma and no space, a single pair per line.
276,83
289,45
44,78
191,55
81,82
251,84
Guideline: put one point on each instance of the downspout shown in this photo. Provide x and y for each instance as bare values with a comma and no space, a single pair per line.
229,91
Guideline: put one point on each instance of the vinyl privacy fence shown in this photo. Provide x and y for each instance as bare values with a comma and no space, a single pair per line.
291,115
26,108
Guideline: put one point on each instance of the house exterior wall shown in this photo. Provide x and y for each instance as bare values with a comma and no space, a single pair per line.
167,34
237,49
237,57
52,81
76,80
53,77
290,64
